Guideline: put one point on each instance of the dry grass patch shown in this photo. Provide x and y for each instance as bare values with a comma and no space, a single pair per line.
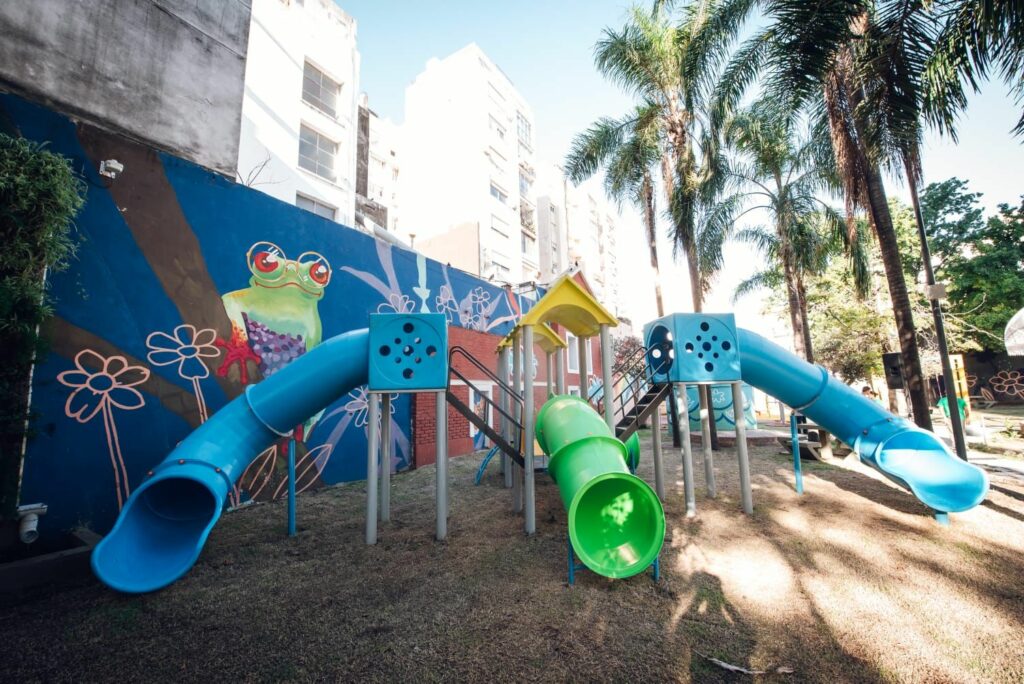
851,582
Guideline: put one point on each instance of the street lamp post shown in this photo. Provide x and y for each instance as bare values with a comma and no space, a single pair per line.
940,332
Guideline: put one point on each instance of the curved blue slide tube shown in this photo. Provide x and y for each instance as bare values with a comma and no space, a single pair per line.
163,526
909,456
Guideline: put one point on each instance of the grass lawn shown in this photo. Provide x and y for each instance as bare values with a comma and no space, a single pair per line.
853,582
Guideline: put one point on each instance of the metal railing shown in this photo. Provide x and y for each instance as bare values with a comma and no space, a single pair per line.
639,383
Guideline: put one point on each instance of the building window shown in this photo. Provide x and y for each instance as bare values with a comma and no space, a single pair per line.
574,353
498,194
499,226
317,152
320,90
315,206
524,184
496,160
523,128
496,126
528,243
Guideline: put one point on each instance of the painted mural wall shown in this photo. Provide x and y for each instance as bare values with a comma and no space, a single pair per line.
721,400
186,288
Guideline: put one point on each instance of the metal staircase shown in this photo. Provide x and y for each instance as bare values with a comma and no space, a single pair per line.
513,416
638,397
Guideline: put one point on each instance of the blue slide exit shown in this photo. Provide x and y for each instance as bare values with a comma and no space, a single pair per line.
164,524
909,456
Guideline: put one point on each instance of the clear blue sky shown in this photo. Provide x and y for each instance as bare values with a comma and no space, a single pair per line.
546,48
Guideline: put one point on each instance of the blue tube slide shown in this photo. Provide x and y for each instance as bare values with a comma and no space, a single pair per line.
163,526
909,456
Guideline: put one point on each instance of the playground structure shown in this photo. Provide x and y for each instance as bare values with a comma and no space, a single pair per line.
615,520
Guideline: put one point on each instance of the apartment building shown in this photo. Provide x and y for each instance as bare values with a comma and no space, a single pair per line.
578,228
467,181
377,170
300,106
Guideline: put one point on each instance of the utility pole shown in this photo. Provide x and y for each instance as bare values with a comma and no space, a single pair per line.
934,295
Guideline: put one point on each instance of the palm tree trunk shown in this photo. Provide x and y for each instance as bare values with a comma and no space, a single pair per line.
792,297
650,224
804,319
886,233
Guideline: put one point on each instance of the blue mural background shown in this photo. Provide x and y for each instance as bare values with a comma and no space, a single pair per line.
114,298
721,400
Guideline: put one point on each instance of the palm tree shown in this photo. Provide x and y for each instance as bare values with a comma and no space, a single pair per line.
772,171
627,150
978,37
841,60
669,67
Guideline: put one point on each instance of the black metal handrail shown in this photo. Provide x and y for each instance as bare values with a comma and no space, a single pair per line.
483,369
627,366
469,383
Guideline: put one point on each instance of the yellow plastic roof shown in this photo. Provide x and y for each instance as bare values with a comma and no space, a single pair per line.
544,337
570,306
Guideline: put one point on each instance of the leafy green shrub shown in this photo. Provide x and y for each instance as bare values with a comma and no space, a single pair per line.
39,196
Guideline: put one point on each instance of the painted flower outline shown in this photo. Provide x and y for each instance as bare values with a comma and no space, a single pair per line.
98,392
113,384
187,347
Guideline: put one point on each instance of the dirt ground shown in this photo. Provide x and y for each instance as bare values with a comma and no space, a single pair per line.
852,582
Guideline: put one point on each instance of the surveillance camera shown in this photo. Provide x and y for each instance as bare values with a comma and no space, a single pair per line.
110,168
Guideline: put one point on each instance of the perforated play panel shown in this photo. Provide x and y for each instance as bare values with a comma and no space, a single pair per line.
408,352
694,348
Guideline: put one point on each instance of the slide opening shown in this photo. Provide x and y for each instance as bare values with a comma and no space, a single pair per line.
660,351
161,531
617,525
180,499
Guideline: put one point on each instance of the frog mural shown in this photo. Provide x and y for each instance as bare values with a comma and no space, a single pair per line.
274,321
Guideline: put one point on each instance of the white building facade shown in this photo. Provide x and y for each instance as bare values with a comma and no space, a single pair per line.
467,178
300,106
377,170
578,228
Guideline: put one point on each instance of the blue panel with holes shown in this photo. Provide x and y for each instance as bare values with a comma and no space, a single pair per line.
408,352
693,348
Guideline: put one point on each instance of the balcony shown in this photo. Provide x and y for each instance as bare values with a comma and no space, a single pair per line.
527,218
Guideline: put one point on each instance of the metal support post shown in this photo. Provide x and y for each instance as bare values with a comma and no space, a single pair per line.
504,401
684,424
746,495
517,387
531,510
372,449
606,378
560,371
441,466
581,347
659,470
797,465
547,371
385,457
705,442
291,487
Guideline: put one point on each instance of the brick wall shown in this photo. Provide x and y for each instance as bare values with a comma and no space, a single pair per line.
483,347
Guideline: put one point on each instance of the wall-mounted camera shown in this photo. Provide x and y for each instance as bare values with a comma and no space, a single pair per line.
110,168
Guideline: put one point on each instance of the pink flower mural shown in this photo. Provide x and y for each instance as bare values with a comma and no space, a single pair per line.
99,393
186,347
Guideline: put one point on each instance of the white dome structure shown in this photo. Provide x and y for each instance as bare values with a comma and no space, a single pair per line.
1014,336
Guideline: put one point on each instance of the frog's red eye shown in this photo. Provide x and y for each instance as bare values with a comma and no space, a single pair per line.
265,257
265,262
319,273
319,267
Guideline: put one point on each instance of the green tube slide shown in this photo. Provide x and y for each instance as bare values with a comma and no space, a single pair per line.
616,522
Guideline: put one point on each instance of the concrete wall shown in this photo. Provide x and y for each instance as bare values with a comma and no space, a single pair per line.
164,260
167,72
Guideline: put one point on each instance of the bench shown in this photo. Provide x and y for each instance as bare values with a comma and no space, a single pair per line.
815,441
